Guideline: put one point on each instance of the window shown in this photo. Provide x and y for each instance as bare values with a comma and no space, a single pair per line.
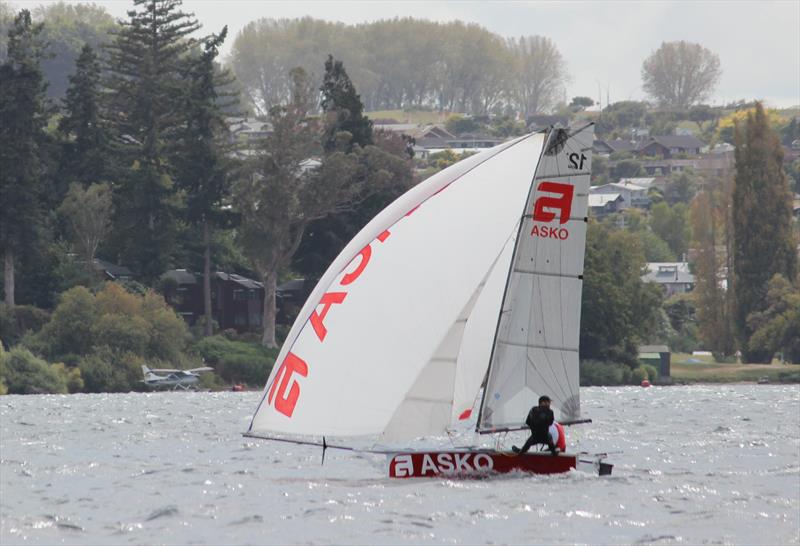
239,295
251,294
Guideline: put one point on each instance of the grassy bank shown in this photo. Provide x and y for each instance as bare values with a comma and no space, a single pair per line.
708,371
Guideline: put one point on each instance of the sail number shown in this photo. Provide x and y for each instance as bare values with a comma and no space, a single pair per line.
576,161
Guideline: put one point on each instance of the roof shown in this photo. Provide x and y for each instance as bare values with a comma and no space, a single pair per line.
238,279
113,270
640,182
602,199
668,273
615,187
295,285
653,349
674,141
620,145
416,131
181,276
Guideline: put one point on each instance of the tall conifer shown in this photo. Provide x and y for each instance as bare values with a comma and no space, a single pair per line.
762,219
22,110
145,90
86,146
200,161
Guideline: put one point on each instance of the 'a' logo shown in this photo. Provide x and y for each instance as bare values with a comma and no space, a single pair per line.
285,402
546,204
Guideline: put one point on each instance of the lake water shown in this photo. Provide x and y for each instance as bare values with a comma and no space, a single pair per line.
700,464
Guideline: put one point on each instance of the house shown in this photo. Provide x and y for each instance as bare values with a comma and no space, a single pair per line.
641,182
424,136
603,204
606,147
712,164
667,146
658,356
112,272
632,195
674,277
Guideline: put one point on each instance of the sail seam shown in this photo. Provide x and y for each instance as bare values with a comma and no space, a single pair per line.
543,177
547,274
429,400
537,346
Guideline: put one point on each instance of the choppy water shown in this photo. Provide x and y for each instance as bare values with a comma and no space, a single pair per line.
703,464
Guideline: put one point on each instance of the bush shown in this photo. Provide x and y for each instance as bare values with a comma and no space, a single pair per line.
597,373
638,375
24,373
652,372
107,370
237,361
20,320
122,333
72,376
70,326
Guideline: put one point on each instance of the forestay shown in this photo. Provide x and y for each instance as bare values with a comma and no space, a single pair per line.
396,336
535,350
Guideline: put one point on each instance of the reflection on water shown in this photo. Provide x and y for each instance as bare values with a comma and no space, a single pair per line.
716,464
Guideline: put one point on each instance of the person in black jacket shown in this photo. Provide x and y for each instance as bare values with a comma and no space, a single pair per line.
540,419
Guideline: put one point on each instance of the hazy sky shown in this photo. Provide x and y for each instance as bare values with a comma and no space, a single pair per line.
603,42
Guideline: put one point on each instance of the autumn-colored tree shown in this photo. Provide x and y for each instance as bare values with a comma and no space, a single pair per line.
764,244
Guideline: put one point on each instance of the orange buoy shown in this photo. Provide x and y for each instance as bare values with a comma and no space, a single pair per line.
645,383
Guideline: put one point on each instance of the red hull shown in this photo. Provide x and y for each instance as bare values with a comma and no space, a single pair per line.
476,463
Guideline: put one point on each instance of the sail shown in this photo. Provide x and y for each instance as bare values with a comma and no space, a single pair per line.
535,349
375,348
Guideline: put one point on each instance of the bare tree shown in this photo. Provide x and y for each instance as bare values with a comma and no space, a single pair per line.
680,74
539,73
88,214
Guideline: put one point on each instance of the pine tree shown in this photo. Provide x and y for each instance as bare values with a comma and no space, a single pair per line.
762,219
343,110
145,89
201,163
86,147
22,110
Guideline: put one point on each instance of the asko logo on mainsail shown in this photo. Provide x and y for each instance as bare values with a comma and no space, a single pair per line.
449,285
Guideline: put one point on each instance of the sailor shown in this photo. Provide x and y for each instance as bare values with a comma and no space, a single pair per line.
544,430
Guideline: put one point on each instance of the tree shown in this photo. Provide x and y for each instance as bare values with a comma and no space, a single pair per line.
671,224
539,74
579,104
762,219
777,327
712,289
680,74
22,109
201,159
86,136
618,308
680,188
88,214
145,85
343,109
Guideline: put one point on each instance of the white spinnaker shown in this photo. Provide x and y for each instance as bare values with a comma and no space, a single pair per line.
400,303
536,348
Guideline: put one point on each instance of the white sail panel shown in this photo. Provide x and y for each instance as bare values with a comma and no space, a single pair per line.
382,310
478,337
536,347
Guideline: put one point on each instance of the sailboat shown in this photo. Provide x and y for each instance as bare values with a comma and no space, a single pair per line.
463,294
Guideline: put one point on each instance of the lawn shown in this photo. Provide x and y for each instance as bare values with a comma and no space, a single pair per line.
708,371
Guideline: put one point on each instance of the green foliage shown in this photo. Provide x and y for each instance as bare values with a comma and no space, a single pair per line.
655,248
20,320
24,373
69,328
619,309
680,188
459,125
599,373
626,168
107,370
680,74
762,221
22,158
237,361
343,109
672,225
71,376
777,328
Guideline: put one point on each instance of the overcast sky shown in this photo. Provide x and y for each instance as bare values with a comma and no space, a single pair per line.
603,42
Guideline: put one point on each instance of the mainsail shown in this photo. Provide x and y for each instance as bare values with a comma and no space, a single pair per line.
396,337
535,349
